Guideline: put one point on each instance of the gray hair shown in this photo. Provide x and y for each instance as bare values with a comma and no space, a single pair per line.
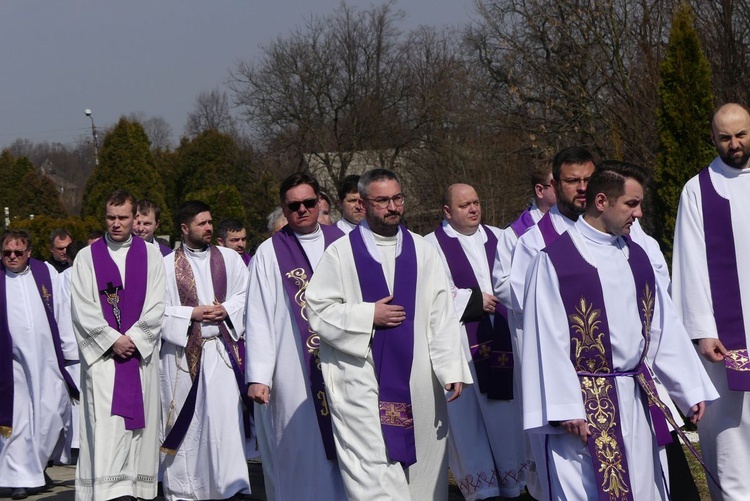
274,216
373,175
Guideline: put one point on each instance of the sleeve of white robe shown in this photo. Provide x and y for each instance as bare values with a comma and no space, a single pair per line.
146,331
521,258
551,388
93,334
444,333
61,291
237,274
260,316
691,290
346,323
675,360
506,241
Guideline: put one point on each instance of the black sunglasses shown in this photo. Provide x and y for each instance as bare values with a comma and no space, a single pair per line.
309,204
18,253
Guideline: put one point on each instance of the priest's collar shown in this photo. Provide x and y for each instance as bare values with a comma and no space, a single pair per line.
308,237
194,252
592,234
118,245
372,240
479,233
730,171
20,273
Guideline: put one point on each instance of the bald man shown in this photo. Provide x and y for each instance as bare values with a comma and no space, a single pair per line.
486,445
710,291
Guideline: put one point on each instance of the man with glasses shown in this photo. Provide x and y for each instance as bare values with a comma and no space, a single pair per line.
292,416
390,348
35,388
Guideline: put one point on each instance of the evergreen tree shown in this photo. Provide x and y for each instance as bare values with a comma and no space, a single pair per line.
38,195
12,172
686,102
125,162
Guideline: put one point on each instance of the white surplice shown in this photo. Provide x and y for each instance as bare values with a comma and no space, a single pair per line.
725,429
345,226
70,352
345,325
294,459
486,449
210,461
41,404
113,461
552,390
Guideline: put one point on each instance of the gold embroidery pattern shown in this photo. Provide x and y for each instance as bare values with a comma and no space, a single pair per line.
586,322
481,351
737,360
502,359
601,413
300,280
396,414
647,307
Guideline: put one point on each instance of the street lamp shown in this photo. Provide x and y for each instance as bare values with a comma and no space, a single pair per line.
96,138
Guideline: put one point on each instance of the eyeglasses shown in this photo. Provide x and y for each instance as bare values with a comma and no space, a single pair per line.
383,202
17,253
309,204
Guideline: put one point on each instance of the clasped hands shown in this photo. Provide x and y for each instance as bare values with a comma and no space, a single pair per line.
211,313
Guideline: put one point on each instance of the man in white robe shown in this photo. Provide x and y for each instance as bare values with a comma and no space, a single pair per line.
605,418
486,447
725,429
352,212
118,457
36,422
381,462
287,415
208,458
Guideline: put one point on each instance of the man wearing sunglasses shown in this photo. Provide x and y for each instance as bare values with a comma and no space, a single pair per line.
35,388
292,415
390,348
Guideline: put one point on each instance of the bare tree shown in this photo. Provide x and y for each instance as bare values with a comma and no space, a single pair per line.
212,111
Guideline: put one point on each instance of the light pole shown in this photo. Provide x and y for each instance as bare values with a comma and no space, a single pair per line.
96,138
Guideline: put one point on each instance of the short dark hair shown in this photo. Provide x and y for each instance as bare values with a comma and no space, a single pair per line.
540,173
609,178
348,185
297,179
228,225
189,209
60,233
146,206
120,197
95,235
373,175
21,235
573,155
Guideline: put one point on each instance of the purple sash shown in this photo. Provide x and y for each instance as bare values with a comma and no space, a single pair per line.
296,271
246,258
121,309
392,348
591,355
523,223
165,251
491,346
549,233
725,283
236,349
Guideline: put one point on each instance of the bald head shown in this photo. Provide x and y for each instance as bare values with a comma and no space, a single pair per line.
730,133
461,208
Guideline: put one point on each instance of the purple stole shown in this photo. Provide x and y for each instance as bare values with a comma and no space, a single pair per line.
194,350
725,283
41,275
549,233
392,348
246,258
491,346
165,251
296,271
591,355
121,308
523,223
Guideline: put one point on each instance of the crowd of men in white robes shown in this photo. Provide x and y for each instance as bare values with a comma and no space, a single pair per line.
338,353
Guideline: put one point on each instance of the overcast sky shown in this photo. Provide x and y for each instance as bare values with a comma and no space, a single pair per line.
152,56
